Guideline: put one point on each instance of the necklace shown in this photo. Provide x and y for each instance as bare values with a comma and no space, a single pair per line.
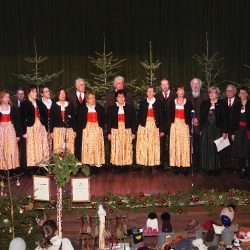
178,102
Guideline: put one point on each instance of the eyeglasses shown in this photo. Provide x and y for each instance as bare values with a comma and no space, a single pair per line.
47,91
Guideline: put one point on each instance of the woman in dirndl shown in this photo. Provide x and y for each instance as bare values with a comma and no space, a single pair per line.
34,124
150,122
9,133
62,123
240,129
179,144
90,122
121,129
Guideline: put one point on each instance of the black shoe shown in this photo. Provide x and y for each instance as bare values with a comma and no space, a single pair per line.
97,171
210,172
124,170
217,173
154,170
244,174
117,170
185,172
176,171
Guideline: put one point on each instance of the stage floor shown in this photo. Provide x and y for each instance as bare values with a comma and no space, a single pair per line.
135,181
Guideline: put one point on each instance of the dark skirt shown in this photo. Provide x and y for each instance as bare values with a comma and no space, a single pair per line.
241,145
209,155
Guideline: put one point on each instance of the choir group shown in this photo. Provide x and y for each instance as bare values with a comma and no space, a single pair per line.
75,122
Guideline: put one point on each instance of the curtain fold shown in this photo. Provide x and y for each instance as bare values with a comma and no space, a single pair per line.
70,31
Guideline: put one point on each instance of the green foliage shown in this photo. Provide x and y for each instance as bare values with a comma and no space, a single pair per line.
139,91
35,76
63,165
210,68
108,67
17,216
150,67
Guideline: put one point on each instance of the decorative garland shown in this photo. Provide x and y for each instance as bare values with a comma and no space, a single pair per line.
173,202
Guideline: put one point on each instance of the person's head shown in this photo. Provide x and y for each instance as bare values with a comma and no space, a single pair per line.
49,230
20,94
90,98
196,84
243,93
213,92
180,90
41,217
80,85
231,91
61,95
119,82
120,96
45,92
31,92
165,85
5,97
17,243
150,91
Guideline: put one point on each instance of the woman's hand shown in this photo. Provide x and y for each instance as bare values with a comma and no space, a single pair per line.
74,134
232,136
25,136
133,136
161,134
195,122
109,137
224,135
17,139
51,135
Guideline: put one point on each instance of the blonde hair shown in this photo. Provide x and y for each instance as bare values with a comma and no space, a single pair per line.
3,93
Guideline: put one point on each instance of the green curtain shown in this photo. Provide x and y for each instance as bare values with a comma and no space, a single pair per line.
68,31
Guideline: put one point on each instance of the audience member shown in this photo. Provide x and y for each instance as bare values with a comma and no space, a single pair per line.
17,244
51,240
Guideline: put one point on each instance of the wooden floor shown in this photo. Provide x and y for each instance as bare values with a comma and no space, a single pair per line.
163,181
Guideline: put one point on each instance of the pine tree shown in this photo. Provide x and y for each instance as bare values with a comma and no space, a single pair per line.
210,67
17,215
139,92
35,76
109,67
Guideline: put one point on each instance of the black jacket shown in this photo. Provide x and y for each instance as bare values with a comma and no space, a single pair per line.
14,120
158,114
236,116
27,114
56,120
187,111
83,114
112,118
221,114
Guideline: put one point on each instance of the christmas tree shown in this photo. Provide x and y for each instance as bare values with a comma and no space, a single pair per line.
35,76
17,216
108,66
210,67
139,92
